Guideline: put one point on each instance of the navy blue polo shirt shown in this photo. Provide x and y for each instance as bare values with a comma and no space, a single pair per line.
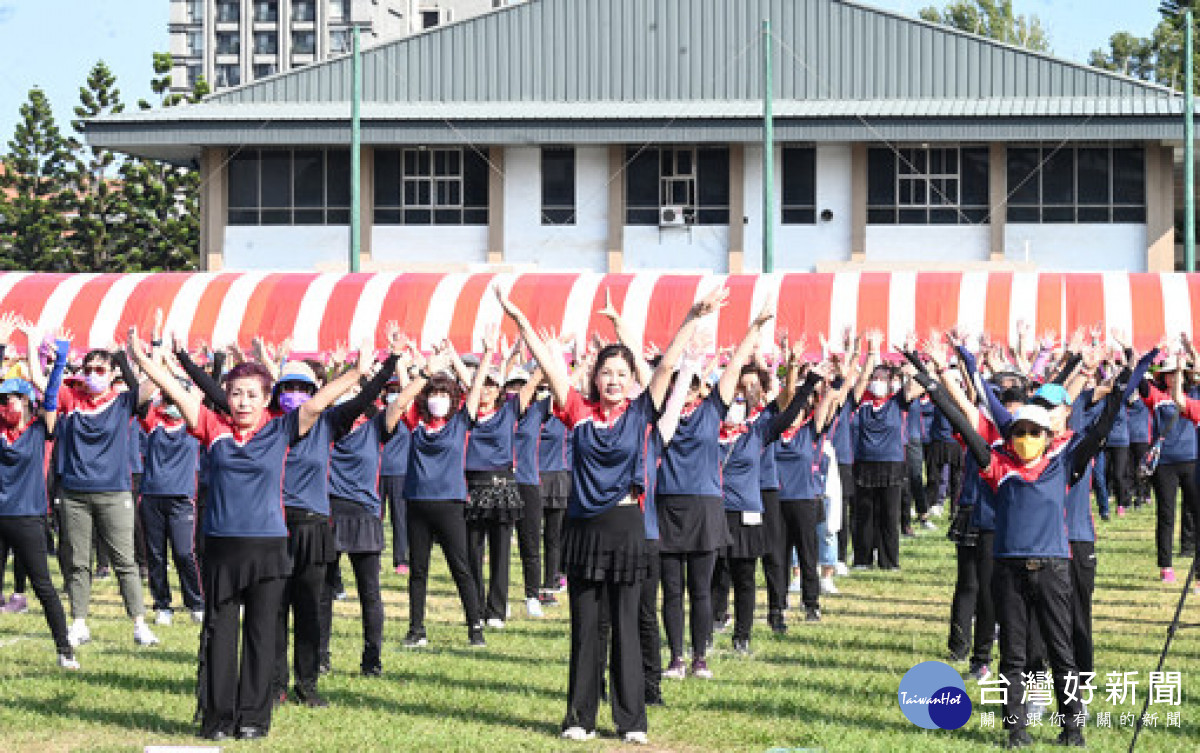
490,444
554,447
23,471
1179,439
354,463
842,432
435,462
651,454
137,448
691,463
1080,525
880,435
1031,502
172,456
394,455
940,429
1140,422
742,450
1118,436
803,464
306,475
527,440
245,474
94,437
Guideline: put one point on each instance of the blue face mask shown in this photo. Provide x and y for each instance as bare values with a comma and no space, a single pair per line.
290,401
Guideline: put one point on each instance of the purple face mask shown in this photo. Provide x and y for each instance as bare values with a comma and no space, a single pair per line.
290,401
96,383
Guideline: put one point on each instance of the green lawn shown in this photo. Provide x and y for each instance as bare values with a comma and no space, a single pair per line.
829,686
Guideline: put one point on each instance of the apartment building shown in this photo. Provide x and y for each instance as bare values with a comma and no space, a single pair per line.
233,42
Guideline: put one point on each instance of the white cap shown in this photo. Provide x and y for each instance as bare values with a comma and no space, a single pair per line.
517,374
1034,414
1170,363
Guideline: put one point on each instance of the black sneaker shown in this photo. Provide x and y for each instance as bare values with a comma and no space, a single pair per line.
324,667
548,599
415,639
475,637
374,670
741,647
1072,737
777,623
812,614
310,698
1018,738
250,732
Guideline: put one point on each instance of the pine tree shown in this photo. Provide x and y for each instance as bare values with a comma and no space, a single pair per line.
1157,58
36,192
98,199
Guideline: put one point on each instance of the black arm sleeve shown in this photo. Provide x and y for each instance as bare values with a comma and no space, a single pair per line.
1095,437
781,422
343,415
1067,369
976,445
122,362
212,391
217,366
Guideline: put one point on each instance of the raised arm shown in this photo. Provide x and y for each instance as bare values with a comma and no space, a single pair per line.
189,404
312,408
625,337
556,371
873,340
733,370
62,349
668,422
661,378
481,371
201,378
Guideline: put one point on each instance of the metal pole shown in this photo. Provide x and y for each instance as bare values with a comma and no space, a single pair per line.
768,249
355,156
1189,156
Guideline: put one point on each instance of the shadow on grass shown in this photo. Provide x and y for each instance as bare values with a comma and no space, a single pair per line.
447,711
62,705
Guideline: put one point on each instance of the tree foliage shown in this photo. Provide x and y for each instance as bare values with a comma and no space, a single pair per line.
1157,58
994,19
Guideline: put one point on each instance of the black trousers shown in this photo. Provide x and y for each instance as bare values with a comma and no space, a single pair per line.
738,573
26,537
846,475
953,453
648,633
239,692
1120,474
801,518
20,577
1083,585
590,601
529,538
391,493
198,534
913,492
1168,480
497,537
972,602
552,528
366,566
877,526
443,522
1141,484
171,519
1024,597
302,600
697,567
777,558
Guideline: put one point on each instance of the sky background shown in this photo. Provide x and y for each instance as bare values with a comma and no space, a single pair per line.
53,44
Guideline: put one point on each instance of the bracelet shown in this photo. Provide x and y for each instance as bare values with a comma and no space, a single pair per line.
156,343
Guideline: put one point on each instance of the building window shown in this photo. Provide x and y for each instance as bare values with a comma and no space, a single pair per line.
339,10
695,179
558,186
341,40
304,42
289,187
193,76
431,187
228,43
304,10
195,11
1076,184
195,43
266,11
266,43
229,12
228,75
262,70
942,185
799,200
430,18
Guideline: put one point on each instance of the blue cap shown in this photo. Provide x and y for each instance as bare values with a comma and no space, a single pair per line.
17,387
1053,394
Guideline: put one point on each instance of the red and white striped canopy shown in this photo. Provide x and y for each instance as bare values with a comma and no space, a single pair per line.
320,310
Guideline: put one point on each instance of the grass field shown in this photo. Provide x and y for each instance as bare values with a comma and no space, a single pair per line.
829,686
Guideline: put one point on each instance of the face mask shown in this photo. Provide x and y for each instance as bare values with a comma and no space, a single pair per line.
10,416
736,413
290,401
95,383
172,412
390,397
344,398
895,386
1029,448
439,405
878,387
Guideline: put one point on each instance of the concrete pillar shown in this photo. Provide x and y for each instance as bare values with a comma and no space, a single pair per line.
997,198
737,208
1160,208
858,201
366,198
214,208
495,249
616,208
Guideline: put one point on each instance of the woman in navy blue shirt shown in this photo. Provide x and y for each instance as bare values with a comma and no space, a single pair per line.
605,536
246,559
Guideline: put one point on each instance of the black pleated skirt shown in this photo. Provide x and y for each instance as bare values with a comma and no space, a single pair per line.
233,564
355,528
873,474
691,523
609,547
310,538
749,542
492,496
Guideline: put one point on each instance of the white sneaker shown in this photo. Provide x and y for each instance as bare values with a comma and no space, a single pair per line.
827,585
841,569
68,662
163,617
495,623
143,635
78,634
936,510
198,616
578,734
533,607
636,738
928,525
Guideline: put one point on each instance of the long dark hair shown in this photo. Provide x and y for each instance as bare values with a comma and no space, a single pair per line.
615,350
438,383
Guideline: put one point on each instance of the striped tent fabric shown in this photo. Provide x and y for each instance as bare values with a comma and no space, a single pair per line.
319,311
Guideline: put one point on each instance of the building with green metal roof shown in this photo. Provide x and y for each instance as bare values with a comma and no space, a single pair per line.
627,134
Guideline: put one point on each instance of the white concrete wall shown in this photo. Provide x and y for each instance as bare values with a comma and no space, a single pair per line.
700,247
527,240
932,243
421,245
299,247
799,248
1079,248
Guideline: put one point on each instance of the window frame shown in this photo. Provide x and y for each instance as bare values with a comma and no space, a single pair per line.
334,164
685,173
559,213
454,192
792,212
1033,209
919,175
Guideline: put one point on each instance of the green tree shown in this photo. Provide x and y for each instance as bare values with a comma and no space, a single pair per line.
98,198
34,191
994,19
1157,58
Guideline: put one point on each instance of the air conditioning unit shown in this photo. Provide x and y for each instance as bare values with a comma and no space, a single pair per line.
671,217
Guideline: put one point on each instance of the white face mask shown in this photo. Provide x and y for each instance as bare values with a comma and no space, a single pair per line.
879,387
390,397
439,405
736,413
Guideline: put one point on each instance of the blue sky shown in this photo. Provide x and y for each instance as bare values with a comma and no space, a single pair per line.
53,43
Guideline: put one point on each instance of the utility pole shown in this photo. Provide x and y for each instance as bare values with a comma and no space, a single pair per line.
768,208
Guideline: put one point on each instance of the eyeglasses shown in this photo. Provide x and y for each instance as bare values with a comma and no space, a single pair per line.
97,370
1026,433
